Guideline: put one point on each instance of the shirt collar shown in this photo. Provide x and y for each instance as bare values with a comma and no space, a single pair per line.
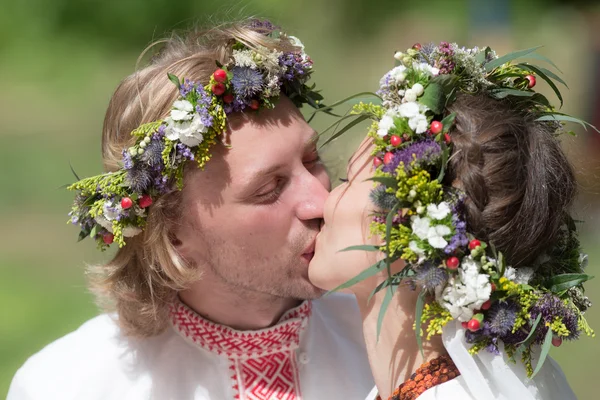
222,340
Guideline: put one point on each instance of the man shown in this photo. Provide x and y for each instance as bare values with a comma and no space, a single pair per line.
209,287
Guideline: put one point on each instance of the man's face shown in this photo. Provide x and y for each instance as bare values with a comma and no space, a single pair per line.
250,219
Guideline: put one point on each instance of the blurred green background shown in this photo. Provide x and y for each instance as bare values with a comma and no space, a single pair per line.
60,60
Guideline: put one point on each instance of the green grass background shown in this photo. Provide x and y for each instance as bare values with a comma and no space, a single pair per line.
60,61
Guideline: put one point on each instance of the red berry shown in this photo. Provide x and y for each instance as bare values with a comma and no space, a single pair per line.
108,238
377,162
228,98
473,244
395,140
436,127
556,341
126,203
531,80
447,138
417,46
220,75
218,89
145,201
494,287
254,104
452,263
465,324
473,325
486,305
388,157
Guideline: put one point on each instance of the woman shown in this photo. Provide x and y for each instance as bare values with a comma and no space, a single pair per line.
466,230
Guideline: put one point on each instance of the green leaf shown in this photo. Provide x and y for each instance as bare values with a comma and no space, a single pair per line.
361,95
447,122
545,349
73,171
568,118
367,273
480,57
433,97
388,233
545,77
174,79
445,156
350,125
447,82
94,231
418,320
382,285
388,181
508,57
532,331
544,58
563,282
389,294
502,93
364,247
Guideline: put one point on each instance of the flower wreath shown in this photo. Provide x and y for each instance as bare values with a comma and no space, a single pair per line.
423,223
112,206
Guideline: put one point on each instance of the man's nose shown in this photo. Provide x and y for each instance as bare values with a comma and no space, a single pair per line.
313,199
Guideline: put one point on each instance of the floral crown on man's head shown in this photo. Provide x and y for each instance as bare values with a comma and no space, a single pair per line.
423,223
114,205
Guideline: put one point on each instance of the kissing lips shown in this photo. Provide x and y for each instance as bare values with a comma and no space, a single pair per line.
309,252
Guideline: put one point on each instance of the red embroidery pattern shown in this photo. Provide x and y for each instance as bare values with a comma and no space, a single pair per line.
262,363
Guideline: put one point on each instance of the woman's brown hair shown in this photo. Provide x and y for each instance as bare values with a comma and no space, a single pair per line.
517,179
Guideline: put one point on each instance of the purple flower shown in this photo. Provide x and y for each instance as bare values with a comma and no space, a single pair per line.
127,161
139,177
426,152
160,132
551,306
297,65
429,276
382,199
501,318
153,153
246,82
204,98
184,152
263,26
186,87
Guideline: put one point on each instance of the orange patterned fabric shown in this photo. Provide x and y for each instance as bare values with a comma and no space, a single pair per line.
428,375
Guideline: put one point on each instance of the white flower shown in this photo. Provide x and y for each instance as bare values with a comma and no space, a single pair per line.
418,89
296,42
187,132
399,55
244,58
111,211
418,123
522,276
385,124
408,110
439,211
424,67
409,96
398,74
466,291
401,92
420,227
415,248
435,236
182,110
127,231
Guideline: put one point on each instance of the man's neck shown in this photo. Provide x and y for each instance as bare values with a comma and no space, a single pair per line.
394,354
235,307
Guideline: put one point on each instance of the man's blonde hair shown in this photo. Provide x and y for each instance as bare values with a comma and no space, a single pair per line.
143,278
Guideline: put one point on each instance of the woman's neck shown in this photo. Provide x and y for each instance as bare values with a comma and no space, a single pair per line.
394,355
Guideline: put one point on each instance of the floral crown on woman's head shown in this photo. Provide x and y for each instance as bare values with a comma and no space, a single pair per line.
114,205
423,223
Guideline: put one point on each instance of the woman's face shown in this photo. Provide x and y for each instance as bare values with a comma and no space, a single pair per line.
347,216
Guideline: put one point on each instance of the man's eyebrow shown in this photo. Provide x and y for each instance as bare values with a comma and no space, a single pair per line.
262,172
